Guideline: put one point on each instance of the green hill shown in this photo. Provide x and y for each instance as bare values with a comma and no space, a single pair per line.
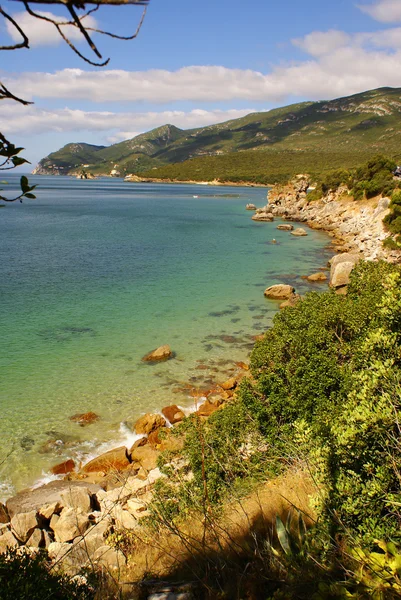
261,147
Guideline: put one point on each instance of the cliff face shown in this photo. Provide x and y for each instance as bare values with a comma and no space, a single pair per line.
357,226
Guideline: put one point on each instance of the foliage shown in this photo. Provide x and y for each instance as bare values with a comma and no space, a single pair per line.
371,179
393,220
10,153
29,577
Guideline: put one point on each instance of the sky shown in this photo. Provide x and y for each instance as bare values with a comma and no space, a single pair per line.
192,64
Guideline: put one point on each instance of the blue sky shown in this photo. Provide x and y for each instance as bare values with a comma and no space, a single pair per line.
193,64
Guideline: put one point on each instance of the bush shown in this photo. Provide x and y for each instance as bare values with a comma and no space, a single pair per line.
28,577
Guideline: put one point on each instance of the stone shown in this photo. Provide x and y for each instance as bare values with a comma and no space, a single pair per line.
263,216
285,227
54,520
28,500
57,550
173,414
230,384
160,354
84,419
7,540
154,438
113,460
109,558
4,516
123,518
70,525
292,301
149,423
23,524
36,540
63,468
341,268
279,292
250,206
77,498
206,409
47,510
145,456
299,232
317,277
137,508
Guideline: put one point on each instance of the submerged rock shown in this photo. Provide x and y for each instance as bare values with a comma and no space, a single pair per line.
84,419
63,468
285,227
160,354
317,277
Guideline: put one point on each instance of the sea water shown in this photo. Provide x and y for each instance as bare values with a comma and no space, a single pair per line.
96,273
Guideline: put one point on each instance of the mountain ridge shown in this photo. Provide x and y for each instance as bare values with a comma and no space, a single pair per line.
356,126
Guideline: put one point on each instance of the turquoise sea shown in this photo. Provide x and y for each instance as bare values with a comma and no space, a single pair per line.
94,274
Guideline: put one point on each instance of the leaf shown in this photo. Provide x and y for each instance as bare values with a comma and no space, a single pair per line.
17,161
30,196
24,184
283,536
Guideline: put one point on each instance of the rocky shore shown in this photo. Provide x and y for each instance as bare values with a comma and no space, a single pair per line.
356,226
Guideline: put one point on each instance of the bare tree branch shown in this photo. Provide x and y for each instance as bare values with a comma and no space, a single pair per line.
6,94
25,41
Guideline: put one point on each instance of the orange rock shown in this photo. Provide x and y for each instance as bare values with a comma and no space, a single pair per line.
145,456
317,277
230,384
113,460
173,414
63,468
159,354
242,365
206,409
84,419
154,438
149,423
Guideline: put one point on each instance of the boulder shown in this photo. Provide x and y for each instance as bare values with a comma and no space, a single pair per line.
299,232
341,267
23,524
317,277
279,292
154,438
63,468
207,409
230,384
109,558
84,419
250,206
36,540
149,423
173,414
160,354
7,540
4,516
77,498
113,460
123,518
70,525
47,510
263,216
292,301
285,227
145,456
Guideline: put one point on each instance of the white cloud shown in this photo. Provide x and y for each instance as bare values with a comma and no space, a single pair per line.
319,43
385,11
121,136
18,119
43,33
340,64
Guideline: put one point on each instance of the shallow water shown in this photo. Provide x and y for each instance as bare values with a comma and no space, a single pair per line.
94,274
